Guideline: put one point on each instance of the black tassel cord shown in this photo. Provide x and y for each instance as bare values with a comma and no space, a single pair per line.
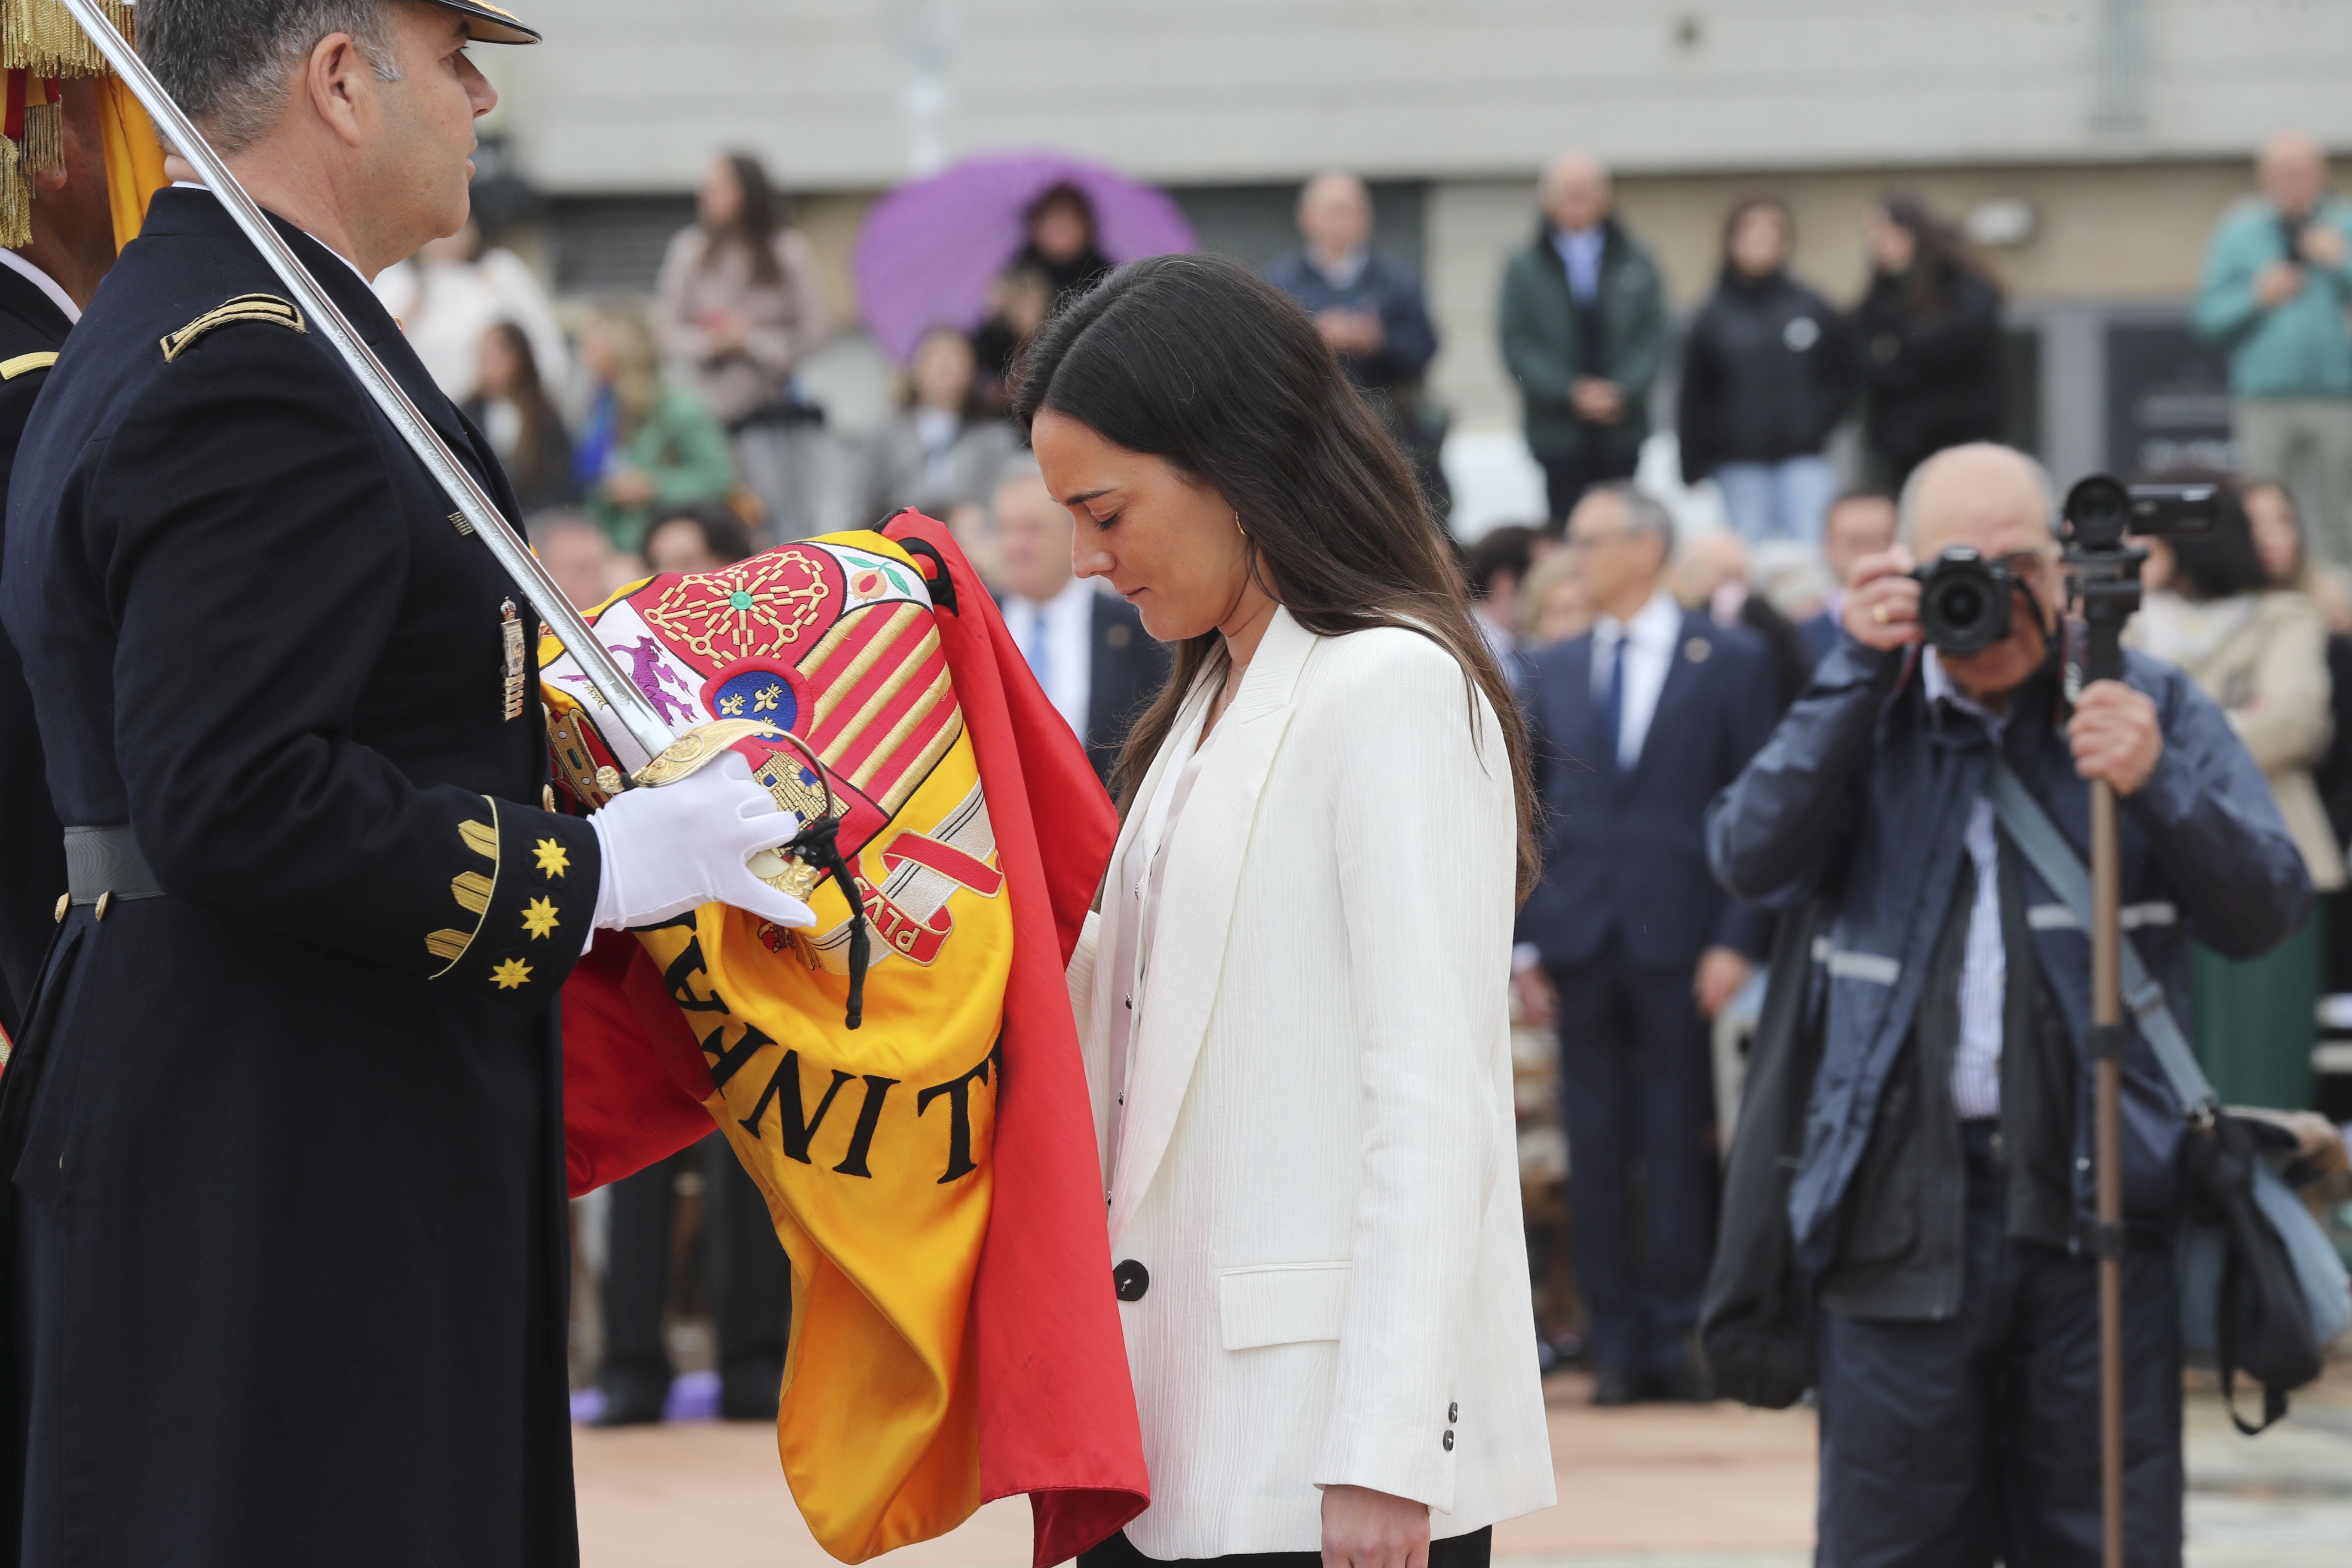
819,844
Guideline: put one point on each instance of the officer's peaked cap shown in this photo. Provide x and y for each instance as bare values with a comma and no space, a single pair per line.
488,23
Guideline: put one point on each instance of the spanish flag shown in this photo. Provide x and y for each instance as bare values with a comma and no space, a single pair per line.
931,1170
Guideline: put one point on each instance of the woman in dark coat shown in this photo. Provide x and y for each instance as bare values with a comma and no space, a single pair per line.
1060,257
1767,372
1929,328
1065,242
512,409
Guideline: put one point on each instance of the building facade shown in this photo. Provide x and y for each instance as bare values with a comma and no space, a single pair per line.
2097,139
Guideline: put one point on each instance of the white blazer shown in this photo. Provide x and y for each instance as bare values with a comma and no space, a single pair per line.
1317,1167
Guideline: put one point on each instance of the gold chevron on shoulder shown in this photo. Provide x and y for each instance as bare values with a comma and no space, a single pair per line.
244,307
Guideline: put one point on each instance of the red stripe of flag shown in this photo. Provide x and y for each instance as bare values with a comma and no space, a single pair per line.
946,859
905,634
855,756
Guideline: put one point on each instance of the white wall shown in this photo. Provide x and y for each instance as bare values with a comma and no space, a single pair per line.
631,96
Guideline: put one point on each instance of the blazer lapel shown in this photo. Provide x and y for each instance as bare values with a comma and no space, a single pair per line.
1577,730
1110,983
1196,907
1682,681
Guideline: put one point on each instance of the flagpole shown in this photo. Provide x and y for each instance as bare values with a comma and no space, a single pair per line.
635,710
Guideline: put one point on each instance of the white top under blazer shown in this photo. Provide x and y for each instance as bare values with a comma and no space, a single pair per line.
1317,1161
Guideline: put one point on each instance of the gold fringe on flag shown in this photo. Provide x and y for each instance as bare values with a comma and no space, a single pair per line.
40,39
43,145
15,201
42,36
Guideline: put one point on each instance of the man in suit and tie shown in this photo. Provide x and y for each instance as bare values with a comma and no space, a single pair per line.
1628,943
1088,649
1858,523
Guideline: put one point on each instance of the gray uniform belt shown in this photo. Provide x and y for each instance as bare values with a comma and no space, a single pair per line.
107,860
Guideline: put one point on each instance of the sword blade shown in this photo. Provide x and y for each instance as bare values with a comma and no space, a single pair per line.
634,709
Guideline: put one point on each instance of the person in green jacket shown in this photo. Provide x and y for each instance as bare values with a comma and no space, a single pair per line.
2278,278
1583,331
648,448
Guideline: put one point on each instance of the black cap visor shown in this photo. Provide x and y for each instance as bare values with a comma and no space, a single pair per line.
488,23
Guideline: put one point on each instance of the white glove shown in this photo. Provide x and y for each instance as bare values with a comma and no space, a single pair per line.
675,848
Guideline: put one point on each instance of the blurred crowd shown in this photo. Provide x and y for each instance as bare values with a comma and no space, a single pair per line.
664,432
1657,666
1769,368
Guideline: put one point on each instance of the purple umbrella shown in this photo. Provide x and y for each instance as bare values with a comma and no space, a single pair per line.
930,248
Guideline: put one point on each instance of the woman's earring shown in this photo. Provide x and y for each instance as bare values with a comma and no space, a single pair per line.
1237,525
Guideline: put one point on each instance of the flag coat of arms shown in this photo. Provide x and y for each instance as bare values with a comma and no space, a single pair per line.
931,1171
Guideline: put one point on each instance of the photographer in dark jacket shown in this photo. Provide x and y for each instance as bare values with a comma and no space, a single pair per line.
1945,1184
1929,329
1767,372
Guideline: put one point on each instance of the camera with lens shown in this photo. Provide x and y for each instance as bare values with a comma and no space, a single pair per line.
1964,601
2101,511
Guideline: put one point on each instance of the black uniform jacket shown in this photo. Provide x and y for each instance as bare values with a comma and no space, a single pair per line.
32,860
286,1141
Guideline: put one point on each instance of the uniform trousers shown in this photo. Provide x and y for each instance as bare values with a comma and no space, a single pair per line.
750,1280
1636,1092
1961,1443
1475,1550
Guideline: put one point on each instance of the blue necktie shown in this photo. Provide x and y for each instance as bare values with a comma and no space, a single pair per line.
1036,651
1612,706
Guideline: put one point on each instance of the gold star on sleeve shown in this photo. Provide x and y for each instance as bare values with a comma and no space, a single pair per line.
553,859
510,973
539,917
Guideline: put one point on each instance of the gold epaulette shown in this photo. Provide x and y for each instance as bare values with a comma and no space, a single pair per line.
244,307
10,369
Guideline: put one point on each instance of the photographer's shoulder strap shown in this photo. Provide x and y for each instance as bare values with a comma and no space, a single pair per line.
2046,850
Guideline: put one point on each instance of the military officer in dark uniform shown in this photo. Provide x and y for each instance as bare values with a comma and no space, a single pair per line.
44,284
284,1130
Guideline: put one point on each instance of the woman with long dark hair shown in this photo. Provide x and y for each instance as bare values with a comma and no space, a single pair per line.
2260,651
1929,329
738,305
1292,998
944,451
511,406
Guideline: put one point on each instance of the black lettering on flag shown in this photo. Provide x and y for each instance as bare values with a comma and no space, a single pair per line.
784,1088
959,1093
733,1058
869,1116
678,978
